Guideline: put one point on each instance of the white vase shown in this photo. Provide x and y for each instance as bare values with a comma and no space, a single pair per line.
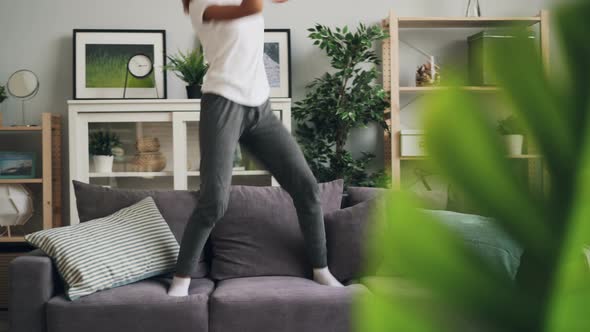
103,164
514,144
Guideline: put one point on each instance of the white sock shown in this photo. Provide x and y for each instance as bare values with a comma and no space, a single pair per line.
324,277
179,286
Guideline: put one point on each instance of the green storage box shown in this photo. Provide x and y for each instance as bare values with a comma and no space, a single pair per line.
480,46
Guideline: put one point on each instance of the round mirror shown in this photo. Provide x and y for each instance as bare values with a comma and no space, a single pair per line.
23,84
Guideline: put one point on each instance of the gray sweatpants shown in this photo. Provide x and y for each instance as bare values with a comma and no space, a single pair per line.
223,124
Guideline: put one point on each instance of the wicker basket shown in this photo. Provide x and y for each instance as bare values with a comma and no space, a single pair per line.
148,162
148,144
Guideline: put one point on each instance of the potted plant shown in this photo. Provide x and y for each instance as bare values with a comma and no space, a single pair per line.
2,94
101,148
347,98
513,135
191,68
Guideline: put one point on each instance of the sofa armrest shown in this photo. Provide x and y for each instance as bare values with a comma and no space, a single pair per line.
32,282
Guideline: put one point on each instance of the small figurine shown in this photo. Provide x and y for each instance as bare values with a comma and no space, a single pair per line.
428,74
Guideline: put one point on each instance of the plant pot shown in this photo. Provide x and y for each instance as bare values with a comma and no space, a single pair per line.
103,164
514,144
194,92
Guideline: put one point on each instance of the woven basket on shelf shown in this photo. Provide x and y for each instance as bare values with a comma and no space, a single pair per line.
148,162
148,144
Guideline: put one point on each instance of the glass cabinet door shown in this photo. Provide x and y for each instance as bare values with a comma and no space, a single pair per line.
143,157
247,171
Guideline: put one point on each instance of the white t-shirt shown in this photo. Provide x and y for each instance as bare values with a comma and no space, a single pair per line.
234,50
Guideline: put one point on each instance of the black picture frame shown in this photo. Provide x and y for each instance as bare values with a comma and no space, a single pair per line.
75,68
287,68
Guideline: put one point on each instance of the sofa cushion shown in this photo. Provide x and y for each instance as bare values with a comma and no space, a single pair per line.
144,306
132,244
175,206
286,304
356,195
395,286
260,235
345,234
485,238
409,293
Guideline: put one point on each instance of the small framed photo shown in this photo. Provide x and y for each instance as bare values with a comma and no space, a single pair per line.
277,61
17,165
119,64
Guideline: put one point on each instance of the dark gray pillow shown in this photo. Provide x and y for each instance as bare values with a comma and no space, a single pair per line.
176,207
345,235
358,195
260,235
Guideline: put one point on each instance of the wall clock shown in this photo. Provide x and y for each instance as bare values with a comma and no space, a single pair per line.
139,66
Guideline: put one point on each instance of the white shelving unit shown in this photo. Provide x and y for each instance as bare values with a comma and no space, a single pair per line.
173,122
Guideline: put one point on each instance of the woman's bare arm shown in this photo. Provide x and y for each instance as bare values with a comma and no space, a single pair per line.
224,13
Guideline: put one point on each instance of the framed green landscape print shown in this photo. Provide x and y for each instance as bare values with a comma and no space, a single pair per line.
107,63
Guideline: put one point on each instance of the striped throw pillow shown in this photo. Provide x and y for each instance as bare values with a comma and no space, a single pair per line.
132,244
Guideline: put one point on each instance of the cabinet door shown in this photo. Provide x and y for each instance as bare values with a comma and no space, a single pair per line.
144,158
187,176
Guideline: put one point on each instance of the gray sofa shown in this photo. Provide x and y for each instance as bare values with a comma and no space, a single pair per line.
252,277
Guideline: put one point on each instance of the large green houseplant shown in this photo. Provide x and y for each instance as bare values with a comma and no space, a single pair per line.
450,284
191,68
341,101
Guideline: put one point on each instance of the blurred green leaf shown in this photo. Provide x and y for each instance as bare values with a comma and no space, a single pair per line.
552,291
465,147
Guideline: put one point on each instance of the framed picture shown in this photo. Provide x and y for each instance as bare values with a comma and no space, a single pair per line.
17,165
119,64
277,61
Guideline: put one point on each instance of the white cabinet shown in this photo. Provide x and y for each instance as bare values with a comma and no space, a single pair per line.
174,123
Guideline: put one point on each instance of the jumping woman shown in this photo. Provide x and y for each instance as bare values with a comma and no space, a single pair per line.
235,108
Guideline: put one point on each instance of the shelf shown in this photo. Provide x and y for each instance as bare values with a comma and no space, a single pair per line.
167,174
523,156
131,174
20,181
466,22
12,239
236,173
21,128
418,89
526,156
148,101
413,158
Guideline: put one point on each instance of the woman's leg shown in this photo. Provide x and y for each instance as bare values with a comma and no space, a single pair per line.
220,127
270,142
